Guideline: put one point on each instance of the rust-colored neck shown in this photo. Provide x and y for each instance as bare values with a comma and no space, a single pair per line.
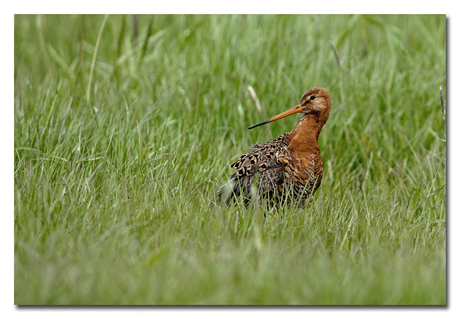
304,137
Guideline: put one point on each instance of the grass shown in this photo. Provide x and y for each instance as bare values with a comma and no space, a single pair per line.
122,140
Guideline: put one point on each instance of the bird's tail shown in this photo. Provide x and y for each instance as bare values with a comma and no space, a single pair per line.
225,192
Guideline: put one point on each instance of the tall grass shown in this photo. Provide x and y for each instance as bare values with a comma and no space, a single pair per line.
121,141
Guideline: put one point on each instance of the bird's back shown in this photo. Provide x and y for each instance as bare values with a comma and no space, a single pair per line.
263,167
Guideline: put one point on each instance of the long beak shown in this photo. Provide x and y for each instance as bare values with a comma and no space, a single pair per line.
295,109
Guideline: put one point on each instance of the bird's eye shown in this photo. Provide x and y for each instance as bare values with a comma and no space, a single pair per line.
312,97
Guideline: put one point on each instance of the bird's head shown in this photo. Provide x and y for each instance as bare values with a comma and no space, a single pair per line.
315,101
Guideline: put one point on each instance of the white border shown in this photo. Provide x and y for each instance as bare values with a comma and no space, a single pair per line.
207,7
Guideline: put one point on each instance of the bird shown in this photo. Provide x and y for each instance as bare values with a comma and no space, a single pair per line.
289,168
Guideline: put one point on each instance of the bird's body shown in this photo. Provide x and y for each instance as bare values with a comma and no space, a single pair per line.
290,167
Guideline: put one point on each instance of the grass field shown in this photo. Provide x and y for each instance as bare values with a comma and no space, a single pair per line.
123,132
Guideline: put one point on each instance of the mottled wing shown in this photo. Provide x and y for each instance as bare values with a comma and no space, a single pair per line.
262,167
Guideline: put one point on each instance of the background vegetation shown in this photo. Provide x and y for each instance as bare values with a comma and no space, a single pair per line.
125,127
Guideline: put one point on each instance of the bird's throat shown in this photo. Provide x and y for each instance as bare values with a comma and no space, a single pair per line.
304,137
